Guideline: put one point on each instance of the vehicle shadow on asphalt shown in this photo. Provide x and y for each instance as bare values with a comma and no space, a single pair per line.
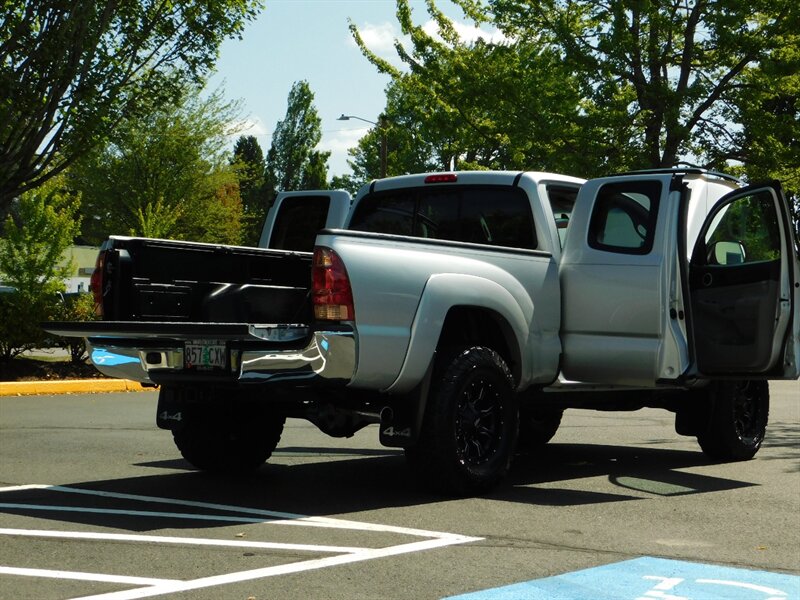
367,480
638,472
782,442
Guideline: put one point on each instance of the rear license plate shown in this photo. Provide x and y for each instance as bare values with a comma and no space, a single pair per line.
205,354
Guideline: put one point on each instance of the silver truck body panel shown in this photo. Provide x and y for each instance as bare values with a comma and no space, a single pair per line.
615,304
400,306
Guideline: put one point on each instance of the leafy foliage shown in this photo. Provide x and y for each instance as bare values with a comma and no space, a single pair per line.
591,88
36,234
504,105
75,307
19,324
292,161
166,175
71,71
248,160
658,78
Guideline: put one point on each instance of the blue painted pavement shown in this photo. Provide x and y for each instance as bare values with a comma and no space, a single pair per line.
651,579
101,356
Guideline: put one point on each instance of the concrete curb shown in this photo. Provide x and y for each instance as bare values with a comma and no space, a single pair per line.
69,386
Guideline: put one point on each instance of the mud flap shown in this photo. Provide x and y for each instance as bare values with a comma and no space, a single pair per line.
400,425
401,421
174,408
693,412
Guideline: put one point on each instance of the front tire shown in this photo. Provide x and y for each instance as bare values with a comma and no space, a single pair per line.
470,426
737,422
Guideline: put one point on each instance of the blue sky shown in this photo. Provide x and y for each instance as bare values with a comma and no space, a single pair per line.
308,39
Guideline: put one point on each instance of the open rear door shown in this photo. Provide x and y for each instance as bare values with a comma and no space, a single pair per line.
620,282
743,288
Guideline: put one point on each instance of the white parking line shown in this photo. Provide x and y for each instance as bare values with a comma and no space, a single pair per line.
158,539
77,575
309,565
157,587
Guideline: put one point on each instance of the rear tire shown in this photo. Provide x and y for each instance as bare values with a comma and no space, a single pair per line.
470,426
222,444
737,421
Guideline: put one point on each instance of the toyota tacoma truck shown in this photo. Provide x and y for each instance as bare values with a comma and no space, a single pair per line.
463,313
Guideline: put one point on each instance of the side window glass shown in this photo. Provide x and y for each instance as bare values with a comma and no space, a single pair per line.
624,217
562,200
299,220
743,231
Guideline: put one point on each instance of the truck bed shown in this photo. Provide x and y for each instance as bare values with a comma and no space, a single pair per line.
172,281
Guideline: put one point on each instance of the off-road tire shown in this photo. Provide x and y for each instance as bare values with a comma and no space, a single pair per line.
469,430
738,412
225,445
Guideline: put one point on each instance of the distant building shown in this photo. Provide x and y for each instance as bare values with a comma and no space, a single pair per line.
83,258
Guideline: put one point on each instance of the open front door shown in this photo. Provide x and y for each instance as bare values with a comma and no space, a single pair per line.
743,288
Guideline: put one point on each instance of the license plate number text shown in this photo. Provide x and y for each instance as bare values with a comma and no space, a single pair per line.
205,355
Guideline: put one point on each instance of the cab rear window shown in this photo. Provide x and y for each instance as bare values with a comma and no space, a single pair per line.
490,215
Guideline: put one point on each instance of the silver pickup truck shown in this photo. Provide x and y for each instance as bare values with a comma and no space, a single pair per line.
463,313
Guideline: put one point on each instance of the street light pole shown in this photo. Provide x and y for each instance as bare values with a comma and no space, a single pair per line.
381,125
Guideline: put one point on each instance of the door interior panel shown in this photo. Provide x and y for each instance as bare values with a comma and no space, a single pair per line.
735,284
734,326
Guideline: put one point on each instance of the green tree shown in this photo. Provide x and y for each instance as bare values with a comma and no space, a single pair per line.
71,71
39,229
411,146
591,88
766,144
166,175
292,162
656,78
248,160
504,105
315,175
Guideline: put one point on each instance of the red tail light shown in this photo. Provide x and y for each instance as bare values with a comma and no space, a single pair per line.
96,283
442,178
331,294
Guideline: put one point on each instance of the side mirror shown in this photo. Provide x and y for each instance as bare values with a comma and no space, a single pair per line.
726,253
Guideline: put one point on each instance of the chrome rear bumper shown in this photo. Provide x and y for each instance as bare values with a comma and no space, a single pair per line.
329,356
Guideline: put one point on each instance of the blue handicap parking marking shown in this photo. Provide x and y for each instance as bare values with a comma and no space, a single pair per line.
101,356
651,579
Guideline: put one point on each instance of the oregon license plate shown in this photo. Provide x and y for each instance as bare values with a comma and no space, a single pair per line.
205,354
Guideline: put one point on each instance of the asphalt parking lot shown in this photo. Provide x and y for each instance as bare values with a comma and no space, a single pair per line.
95,502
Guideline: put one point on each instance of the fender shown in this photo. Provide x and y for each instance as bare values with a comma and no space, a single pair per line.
444,291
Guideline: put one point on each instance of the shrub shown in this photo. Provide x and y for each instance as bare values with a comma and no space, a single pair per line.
20,316
42,224
74,307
